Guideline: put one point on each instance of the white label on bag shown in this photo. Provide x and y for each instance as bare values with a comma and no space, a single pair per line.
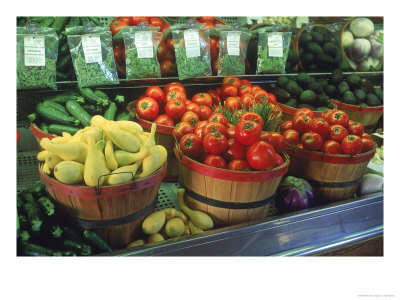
275,45
34,51
233,42
144,44
92,48
192,43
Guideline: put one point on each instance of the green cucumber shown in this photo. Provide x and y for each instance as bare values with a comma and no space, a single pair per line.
82,249
64,97
96,241
91,97
37,19
75,109
56,106
110,112
124,116
21,22
32,249
64,49
55,116
92,108
101,94
44,127
68,253
73,22
63,76
27,196
47,22
96,21
58,129
63,63
59,23
72,234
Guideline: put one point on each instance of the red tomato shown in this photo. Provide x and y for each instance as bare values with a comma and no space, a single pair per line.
218,90
119,55
300,146
214,127
271,98
302,123
352,144
175,86
206,19
228,90
366,135
332,147
261,156
205,112
125,19
248,132
235,150
170,45
285,126
156,22
147,108
338,117
244,89
200,124
260,96
18,136
214,66
187,102
232,103
175,109
191,118
320,126
218,117
181,129
266,136
337,133
252,116
164,120
137,20
167,68
116,25
216,99
291,136
356,128
209,25
175,95
312,141
278,141
215,160
239,165
162,50
156,93
326,114
165,28
303,111
232,80
215,143
245,82
213,48
278,160
199,132
193,107
191,145
230,131
202,99
367,144
256,87
247,100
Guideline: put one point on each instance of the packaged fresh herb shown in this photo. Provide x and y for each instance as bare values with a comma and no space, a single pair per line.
192,50
273,49
233,44
141,51
92,55
37,50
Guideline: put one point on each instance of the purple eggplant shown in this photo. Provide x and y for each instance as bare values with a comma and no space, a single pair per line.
293,194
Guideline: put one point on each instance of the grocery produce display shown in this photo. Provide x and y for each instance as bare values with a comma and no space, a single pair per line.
234,138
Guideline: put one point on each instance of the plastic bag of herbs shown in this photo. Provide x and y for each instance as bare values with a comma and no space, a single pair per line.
141,44
273,49
233,42
37,50
92,55
192,50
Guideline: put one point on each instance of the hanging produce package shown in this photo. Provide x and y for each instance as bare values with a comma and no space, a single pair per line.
232,51
37,50
273,49
141,52
92,55
192,50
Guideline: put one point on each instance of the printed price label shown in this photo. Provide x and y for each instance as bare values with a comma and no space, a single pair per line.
34,51
144,44
275,45
92,48
192,43
232,43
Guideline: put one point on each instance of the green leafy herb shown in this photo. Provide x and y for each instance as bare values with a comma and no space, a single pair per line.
141,67
189,67
230,65
37,77
272,64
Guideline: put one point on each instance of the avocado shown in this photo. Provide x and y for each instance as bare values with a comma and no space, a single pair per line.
362,104
292,103
323,100
332,37
308,97
315,86
373,100
343,87
292,87
344,65
330,90
312,79
281,94
323,82
379,93
303,105
322,108
307,59
337,76
313,67
317,37
305,38
353,80
330,49
366,86
314,48
324,60
293,57
360,95
301,51
349,98
303,79
282,81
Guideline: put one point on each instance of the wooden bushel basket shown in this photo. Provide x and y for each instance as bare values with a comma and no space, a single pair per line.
229,197
368,116
115,212
40,134
333,177
288,112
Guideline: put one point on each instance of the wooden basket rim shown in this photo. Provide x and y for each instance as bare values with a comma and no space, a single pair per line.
40,134
341,105
291,110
